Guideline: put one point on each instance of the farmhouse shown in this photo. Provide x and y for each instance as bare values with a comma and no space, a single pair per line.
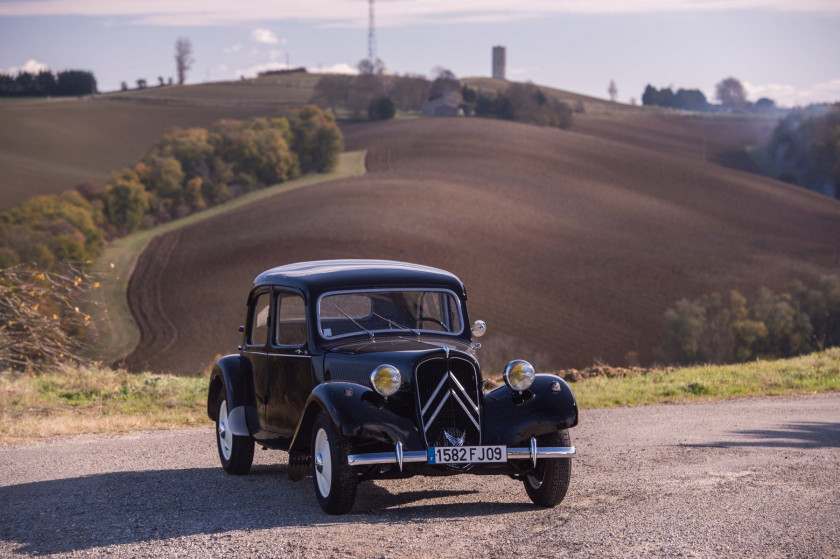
448,105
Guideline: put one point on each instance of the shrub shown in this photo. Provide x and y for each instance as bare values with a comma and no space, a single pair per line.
381,108
125,201
712,330
317,140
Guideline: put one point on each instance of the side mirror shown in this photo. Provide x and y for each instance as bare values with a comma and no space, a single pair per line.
478,329
241,329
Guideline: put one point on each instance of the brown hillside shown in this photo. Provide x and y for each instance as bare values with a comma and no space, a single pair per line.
571,245
49,147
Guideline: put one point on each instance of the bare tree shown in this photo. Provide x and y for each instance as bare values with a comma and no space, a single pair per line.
331,91
613,91
183,58
731,94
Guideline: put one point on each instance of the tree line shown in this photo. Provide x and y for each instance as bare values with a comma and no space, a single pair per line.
378,97
185,171
67,82
719,329
730,93
805,148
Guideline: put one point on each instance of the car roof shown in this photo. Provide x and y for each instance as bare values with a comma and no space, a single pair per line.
327,275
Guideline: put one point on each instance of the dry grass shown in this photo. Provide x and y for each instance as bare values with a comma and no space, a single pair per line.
93,399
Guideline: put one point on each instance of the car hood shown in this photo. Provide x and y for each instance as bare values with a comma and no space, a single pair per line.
404,345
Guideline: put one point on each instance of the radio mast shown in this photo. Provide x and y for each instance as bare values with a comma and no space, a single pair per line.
371,36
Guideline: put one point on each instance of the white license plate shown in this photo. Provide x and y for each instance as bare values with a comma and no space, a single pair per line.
467,454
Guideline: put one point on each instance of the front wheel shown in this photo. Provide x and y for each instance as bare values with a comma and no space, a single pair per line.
335,481
548,483
235,452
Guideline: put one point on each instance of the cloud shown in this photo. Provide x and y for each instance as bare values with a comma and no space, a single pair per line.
235,48
31,66
264,36
341,68
787,95
406,12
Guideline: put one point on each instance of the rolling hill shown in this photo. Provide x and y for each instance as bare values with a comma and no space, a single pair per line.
48,147
571,243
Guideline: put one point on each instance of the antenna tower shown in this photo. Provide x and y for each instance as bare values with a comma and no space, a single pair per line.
371,35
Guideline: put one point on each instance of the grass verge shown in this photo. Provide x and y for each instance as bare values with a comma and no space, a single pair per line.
76,400
816,372
118,333
93,399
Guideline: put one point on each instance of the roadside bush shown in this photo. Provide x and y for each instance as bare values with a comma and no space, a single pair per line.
713,329
381,108
42,322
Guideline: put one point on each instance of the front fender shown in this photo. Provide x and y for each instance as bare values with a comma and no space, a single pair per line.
234,375
510,417
364,414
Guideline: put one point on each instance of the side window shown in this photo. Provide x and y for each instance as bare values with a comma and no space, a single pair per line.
259,320
291,320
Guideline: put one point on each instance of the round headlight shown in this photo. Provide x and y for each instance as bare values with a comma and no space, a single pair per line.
519,375
386,379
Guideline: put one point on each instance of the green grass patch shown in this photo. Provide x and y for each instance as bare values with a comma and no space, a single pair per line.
118,334
816,372
94,399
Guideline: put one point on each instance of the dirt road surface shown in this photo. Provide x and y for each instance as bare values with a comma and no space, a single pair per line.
744,478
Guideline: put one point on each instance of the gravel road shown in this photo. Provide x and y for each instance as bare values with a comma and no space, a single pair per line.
754,478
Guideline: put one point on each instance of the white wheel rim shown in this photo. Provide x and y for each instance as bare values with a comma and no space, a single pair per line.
323,475
225,436
533,481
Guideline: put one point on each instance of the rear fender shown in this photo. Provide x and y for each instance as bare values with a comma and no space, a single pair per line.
233,374
511,417
362,414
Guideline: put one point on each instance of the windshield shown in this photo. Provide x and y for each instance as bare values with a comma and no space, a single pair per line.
408,311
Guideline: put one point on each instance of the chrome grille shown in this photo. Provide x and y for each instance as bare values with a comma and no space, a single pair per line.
448,401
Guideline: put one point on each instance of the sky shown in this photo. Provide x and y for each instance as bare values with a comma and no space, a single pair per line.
786,50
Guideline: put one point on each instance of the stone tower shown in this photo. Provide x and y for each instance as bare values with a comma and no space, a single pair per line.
499,62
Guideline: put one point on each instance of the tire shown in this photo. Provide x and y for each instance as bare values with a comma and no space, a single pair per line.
335,481
548,484
235,452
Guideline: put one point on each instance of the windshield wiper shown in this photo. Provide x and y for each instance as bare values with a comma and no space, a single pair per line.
350,318
400,326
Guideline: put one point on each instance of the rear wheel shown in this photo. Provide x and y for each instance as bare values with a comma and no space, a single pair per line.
235,452
335,481
548,483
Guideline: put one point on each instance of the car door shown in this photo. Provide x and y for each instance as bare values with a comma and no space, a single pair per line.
290,374
256,345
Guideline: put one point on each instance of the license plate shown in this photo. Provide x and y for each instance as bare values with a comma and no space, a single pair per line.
467,454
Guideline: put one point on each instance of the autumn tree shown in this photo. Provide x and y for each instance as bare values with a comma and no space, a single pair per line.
183,58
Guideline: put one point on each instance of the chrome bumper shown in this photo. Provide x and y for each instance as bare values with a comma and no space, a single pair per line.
399,456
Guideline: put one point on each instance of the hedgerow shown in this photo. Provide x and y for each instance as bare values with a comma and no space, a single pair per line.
717,329
185,171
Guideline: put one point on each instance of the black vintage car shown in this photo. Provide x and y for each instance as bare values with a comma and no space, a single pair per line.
366,369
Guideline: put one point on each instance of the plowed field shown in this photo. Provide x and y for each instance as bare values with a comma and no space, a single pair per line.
571,243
